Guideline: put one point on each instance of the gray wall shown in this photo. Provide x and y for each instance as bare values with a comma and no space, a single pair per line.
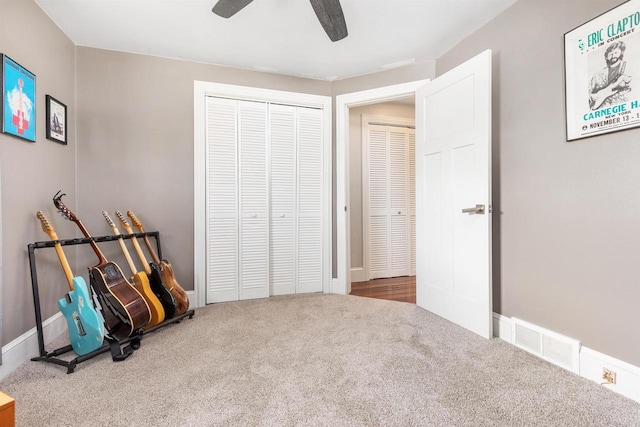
566,223
387,109
33,172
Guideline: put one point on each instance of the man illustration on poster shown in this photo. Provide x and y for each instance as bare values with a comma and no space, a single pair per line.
610,85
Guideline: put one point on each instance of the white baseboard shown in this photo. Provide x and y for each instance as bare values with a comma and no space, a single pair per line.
357,275
627,376
334,286
23,348
591,363
502,327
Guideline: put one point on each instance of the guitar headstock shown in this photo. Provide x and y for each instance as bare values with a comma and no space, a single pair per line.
46,226
135,221
124,222
108,218
64,210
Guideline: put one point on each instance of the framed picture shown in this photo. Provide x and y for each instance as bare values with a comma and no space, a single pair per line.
56,120
18,100
601,58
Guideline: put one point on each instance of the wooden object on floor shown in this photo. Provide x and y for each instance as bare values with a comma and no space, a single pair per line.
7,410
395,289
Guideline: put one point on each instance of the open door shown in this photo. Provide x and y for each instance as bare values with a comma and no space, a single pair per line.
453,195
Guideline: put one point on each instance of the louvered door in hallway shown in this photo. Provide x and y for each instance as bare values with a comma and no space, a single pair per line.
389,199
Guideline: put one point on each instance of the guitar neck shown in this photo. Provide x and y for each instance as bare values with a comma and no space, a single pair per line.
138,225
125,251
65,264
153,253
94,246
143,258
48,229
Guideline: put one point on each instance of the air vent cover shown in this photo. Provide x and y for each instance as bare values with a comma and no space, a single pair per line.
551,346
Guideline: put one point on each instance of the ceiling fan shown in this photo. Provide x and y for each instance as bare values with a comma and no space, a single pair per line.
329,13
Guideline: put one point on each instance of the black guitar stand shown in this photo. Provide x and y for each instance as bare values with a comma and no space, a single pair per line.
120,349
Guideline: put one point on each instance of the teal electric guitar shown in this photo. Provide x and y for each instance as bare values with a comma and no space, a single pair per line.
86,332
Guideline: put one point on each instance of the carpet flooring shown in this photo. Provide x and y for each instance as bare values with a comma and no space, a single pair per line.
314,360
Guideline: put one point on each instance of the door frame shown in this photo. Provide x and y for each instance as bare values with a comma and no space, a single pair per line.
343,103
201,89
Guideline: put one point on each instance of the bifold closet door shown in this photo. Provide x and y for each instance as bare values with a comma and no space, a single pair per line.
222,199
282,158
296,163
387,154
412,200
309,200
254,221
237,200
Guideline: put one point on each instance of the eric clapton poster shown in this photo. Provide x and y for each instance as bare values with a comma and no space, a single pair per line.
602,66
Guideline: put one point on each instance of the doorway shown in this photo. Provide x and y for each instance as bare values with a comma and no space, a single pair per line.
345,103
382,199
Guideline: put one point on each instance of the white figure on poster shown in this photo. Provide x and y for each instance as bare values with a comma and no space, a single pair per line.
610,85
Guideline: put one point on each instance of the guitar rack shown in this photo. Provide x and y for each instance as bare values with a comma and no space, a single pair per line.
118,352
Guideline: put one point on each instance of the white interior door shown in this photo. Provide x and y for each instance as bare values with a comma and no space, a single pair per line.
310,206
453,173
254,224
282,239
222,200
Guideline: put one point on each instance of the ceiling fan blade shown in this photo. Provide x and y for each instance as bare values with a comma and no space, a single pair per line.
329,13
228,8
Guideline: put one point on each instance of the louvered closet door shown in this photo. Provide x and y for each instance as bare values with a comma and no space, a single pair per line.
399,201
282,244
412,199
309,191
388,176
222,200
379,233
253,227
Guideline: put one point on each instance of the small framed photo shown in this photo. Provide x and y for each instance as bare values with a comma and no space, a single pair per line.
18,100
602,72
56,120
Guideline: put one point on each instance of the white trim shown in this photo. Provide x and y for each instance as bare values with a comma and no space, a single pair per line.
23,348
627,376
334,286
502,327
357,274
343,103
202,89
591,363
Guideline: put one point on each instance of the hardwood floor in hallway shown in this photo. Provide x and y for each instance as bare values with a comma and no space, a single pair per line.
394,288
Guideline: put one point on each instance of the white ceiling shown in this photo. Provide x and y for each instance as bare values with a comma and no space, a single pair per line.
280,36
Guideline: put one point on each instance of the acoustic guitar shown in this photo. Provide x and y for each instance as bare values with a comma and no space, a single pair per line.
168,277
124,310
140,279
86,332
153,271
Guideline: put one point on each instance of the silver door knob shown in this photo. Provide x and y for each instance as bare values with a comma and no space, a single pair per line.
479,209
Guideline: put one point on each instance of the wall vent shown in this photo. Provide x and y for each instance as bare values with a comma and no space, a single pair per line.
551,346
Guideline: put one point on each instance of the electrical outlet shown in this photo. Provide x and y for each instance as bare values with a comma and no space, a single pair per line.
608,376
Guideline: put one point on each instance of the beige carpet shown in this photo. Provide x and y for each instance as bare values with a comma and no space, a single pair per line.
309,360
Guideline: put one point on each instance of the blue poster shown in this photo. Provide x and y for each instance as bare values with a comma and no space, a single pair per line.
19,100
